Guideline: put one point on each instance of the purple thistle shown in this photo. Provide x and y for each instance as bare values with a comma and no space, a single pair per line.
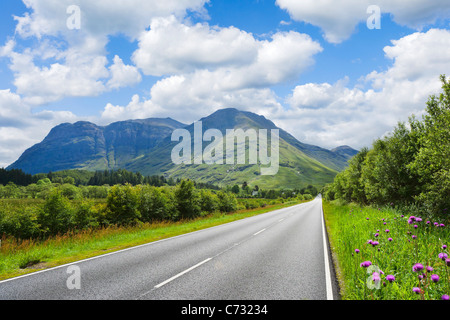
442,256
435,278
445,297
390,278
366,264
416,290
417,267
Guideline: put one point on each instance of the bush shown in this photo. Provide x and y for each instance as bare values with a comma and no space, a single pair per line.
227,202
21,224
188,200
56,216
123,205
156,204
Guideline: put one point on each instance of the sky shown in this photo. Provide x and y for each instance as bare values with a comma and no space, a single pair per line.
329,72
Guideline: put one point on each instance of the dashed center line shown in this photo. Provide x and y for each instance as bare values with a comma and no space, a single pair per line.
181,273
203,262
255,234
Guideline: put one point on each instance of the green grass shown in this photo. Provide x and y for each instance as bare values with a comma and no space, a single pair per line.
18,258
350,227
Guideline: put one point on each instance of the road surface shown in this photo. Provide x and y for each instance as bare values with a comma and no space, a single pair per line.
280,255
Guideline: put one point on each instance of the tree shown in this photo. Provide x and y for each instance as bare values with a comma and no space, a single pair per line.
188,200
123,205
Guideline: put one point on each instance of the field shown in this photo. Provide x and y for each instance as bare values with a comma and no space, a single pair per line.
387,254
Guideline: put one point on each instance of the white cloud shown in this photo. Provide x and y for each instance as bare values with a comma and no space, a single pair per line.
171,47
206,79
123,75
100,17
338,20
332,114
20,128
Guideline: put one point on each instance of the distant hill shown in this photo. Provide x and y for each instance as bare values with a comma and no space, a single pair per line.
145,146
84,145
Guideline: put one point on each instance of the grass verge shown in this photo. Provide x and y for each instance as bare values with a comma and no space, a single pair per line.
391,243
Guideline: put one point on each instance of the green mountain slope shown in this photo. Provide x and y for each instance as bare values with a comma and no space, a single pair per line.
145,146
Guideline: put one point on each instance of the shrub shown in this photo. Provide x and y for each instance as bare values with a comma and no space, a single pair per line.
188,200
123,205
56,216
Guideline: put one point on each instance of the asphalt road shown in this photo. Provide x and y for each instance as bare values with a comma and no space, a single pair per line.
279,255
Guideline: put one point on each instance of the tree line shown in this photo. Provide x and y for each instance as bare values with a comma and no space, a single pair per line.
124,205
410,167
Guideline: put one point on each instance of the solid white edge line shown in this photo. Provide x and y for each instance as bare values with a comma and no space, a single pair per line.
329,286
182,273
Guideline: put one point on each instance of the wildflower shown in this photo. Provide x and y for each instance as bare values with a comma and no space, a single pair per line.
366,264
416,290
428,222
429,269
390,278
447,262
377,234
442,256
387,230
414,237
417,267
376,277
444,246
390,239
442,225
435,277
375,243
445,297
357,250
418,219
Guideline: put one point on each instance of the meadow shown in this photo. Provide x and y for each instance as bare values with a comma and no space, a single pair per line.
384,253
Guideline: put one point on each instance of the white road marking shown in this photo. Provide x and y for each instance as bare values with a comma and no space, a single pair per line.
329,286
182,273
259,232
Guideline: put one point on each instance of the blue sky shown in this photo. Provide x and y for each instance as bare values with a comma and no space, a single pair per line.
315,69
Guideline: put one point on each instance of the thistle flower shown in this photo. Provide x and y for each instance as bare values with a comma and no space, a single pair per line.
435,278
390,278
366,264
416,290
445,297
429,269
417,267
442,256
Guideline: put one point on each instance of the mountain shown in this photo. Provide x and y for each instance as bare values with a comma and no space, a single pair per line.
145,146
84,145
345,151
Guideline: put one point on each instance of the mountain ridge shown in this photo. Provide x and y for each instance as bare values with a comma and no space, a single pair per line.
144,145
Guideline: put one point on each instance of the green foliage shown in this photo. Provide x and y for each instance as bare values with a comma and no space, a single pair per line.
411,166
123,205
188,200
56,216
